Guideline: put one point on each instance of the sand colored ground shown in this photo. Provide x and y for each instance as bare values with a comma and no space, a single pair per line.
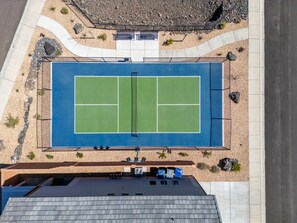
239,119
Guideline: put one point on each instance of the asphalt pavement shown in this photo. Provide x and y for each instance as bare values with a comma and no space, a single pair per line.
10,14
281,110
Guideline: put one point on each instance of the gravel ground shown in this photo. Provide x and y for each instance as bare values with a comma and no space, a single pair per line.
170,15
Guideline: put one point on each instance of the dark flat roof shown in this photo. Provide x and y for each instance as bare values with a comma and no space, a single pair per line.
103,186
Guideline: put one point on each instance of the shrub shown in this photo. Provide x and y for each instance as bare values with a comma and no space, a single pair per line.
58,52
168,42
162,155
202,166
17,90
49,156
53,8
23,74
236,167
102,37
183,154
79,155
206,153
200,37
29,55
11,121
31,156
64,11
71,20
240,49
214,169
41,92
37,116
222,25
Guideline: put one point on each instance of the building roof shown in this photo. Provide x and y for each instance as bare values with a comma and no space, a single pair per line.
202,209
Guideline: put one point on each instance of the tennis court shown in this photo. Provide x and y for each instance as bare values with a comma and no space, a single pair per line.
137,104
127,104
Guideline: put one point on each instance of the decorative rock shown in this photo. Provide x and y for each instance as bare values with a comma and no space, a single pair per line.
78,28
48,48
231,56
234,96
2,145
227,163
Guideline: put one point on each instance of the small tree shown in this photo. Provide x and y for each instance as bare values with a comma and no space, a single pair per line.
31,156
183,154
214,169
202,166
49,156
162,155
64,11
168,42
102,37
206,153
11,121
79,155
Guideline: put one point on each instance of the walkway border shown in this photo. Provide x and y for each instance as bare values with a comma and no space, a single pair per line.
17,51
256,112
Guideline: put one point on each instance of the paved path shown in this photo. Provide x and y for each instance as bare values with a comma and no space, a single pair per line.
84,51
256,111
281,110
18,49
208,46
8,24
233,199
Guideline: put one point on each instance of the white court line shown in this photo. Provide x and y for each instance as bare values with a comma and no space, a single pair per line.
157,107
138,132
160,76
96,104
118,115
178,104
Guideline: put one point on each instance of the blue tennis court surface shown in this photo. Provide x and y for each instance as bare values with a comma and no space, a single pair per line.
133,104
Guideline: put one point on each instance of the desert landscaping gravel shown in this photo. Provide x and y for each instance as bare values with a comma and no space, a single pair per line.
152,15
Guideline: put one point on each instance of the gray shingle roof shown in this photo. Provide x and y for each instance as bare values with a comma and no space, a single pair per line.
201,209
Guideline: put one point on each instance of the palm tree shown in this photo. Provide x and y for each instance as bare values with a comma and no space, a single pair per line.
162,155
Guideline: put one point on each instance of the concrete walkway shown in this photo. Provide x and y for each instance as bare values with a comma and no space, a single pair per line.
18,50
84,51
256,111
233,199
208,46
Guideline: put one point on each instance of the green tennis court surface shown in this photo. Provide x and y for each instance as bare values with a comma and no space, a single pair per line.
137,104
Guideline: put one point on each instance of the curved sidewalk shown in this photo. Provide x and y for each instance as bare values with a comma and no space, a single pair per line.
84,51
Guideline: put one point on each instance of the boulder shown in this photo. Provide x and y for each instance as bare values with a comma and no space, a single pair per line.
48,48
234,96
231,56
78,28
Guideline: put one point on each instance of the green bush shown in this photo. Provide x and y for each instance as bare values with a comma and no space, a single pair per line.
64,11
206,153
169,42
58,52
11,121
236,167
214,169
240,49
222,25
79,155
202,166
162,155
31,156
53,8
49,156
40,92
37,116
183,154
102,37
